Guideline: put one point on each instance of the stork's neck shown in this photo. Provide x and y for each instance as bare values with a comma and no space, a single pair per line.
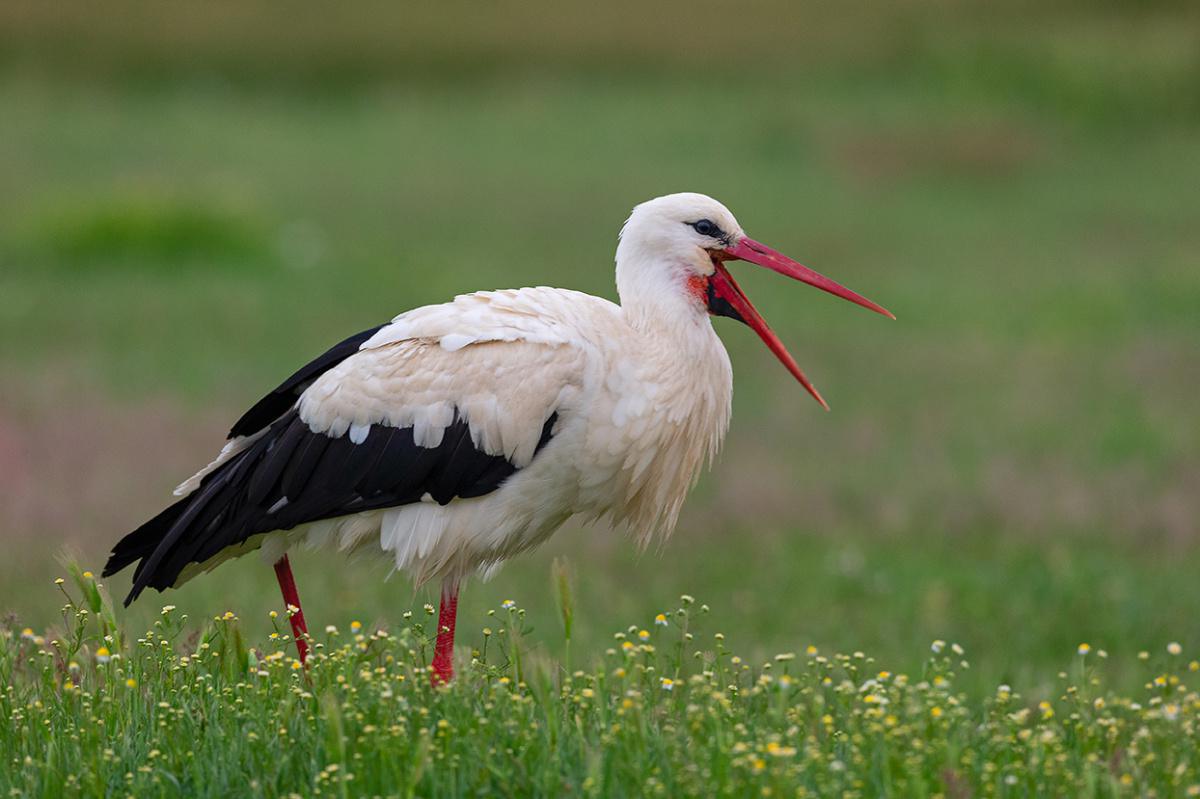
666,305
682,385
657,296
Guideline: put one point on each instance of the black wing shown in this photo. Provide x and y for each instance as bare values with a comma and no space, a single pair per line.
292,475
320,477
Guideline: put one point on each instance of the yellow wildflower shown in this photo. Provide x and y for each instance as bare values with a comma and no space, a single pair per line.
774,749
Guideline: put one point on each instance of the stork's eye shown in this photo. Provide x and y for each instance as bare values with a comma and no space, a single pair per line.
706,227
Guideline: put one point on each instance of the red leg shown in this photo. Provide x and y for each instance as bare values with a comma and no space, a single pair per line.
443,652
291,599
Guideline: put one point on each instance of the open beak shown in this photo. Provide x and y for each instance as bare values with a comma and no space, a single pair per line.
725,288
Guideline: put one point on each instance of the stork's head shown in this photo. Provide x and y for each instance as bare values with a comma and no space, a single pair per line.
673,252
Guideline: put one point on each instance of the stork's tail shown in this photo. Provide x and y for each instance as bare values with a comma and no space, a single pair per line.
195,528
141,543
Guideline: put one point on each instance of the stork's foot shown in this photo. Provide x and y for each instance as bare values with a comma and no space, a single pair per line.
443,651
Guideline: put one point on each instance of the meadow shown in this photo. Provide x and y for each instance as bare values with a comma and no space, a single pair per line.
669,710
196,204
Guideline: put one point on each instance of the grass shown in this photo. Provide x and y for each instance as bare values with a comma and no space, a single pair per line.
668,709
202,201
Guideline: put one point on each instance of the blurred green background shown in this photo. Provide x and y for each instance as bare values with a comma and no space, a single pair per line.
199,197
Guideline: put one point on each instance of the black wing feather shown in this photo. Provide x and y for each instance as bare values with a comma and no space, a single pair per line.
275,460
300,468
320,477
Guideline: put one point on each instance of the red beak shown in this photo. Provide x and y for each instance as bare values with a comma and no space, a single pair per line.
723,286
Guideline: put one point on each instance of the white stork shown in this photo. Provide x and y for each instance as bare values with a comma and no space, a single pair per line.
458,435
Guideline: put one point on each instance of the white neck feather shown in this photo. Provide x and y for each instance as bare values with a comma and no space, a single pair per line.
686,363
653,285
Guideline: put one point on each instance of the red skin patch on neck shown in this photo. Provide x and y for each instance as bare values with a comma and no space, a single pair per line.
697,286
